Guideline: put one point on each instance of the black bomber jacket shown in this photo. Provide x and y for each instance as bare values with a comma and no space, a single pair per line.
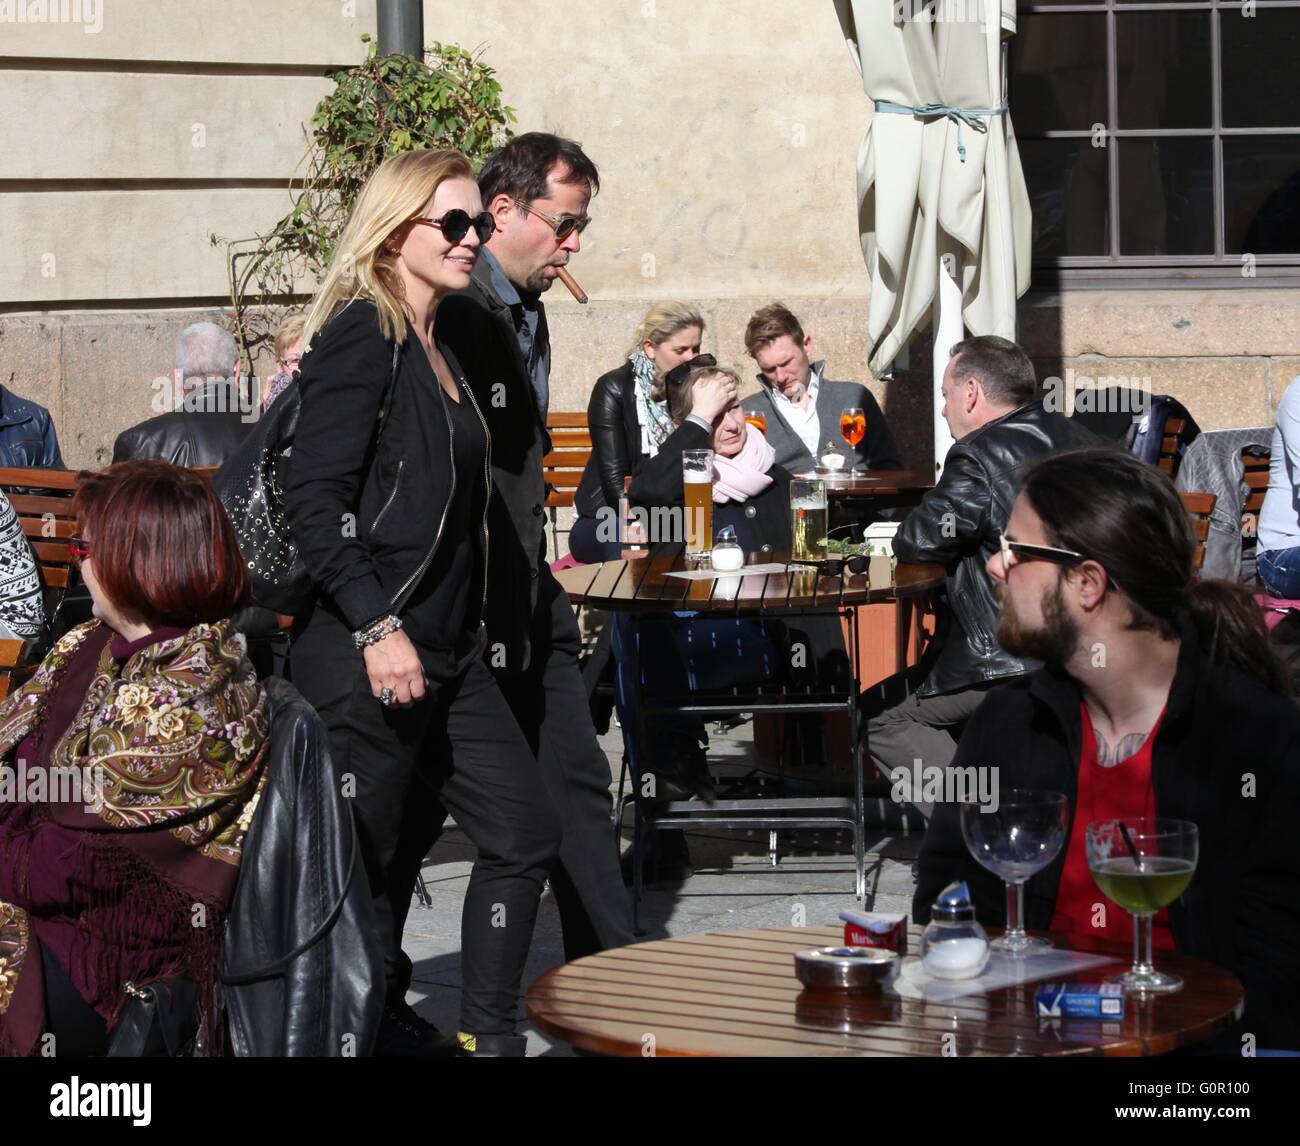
368,518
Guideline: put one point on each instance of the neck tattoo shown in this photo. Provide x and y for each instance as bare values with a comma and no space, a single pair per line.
1108,756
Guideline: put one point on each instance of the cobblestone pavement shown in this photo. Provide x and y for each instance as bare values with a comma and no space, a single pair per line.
734,886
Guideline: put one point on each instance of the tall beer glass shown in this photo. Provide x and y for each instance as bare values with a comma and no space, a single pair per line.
697,488
808,520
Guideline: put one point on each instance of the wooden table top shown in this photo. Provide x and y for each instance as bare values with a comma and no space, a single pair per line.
873,482
735,994
643,585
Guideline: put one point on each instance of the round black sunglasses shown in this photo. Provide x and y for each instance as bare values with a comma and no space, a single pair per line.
455,225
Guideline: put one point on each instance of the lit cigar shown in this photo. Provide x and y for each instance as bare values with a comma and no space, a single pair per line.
569,281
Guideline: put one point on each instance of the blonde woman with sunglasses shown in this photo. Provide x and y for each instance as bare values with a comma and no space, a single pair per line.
388,494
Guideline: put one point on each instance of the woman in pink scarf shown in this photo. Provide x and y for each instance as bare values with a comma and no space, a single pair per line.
751,494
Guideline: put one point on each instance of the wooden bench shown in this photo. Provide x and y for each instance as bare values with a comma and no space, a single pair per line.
43,501
564,465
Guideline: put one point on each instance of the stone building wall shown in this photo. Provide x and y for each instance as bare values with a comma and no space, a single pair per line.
726,133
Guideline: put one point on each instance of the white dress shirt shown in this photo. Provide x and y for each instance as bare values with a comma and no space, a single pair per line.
802,419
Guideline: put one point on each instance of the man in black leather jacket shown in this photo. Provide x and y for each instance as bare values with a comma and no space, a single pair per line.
211,418
1000,428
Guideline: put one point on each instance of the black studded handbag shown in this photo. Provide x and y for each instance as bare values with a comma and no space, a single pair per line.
250,484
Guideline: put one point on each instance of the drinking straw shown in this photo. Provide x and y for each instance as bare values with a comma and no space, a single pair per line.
1128,841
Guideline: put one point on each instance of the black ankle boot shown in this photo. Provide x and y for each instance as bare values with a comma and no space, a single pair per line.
403,1034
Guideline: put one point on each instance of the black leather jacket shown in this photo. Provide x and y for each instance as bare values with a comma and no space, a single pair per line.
957,525
615,441
302,974
204,436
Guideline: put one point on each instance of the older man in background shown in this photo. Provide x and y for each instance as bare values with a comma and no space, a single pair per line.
211,419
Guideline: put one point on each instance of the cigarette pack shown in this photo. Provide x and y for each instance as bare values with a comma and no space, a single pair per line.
1080,1000
875,929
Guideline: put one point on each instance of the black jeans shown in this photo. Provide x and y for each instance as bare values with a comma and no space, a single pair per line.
549,701
460,749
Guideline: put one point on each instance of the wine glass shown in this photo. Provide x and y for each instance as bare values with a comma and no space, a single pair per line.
758,420
853,428
1143,864
853,424
1014,841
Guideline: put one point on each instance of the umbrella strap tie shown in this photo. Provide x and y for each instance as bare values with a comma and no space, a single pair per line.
972,117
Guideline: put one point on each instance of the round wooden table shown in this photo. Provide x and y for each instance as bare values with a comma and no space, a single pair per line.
643,585
872,483
735,994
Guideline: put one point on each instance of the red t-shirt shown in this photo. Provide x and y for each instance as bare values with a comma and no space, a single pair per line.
1121,791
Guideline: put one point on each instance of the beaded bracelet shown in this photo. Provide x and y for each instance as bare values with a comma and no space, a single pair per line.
377,630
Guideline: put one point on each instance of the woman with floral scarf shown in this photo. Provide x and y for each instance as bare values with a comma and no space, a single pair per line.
628,419
129,768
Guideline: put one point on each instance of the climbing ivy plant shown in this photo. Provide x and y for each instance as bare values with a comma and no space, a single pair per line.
383,106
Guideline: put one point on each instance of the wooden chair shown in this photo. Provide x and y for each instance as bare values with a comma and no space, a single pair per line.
12,655
563,466
1254,466
1199,506
1169,455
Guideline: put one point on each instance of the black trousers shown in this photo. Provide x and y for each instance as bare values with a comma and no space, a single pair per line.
550,703
78,1030
460,749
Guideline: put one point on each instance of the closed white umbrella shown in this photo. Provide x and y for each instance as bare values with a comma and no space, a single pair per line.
942,206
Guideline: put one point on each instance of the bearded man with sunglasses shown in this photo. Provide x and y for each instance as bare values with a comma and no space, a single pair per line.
1161,697
537,188
1000,427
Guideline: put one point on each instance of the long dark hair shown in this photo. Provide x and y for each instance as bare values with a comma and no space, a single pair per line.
1126,515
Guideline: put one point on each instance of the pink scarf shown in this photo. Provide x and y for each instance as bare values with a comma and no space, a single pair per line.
745,475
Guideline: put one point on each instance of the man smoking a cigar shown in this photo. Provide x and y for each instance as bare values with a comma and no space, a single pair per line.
537,188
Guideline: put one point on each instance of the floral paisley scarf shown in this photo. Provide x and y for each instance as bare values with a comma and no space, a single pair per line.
131,878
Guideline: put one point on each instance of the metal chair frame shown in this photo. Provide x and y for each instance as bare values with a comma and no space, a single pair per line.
743,814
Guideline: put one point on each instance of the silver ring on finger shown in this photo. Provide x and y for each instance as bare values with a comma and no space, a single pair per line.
387,696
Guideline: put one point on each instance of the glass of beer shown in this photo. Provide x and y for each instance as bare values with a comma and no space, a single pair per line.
697,491
808,520
853,425
1143,864
758,420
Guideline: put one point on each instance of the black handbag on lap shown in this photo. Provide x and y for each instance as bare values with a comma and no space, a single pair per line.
250,484
158,1021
